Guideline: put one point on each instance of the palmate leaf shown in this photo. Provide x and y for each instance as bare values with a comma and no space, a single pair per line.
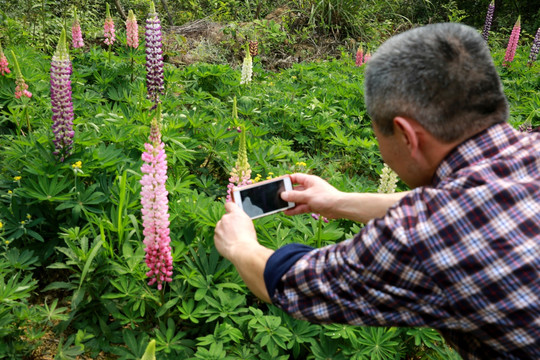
47,189
378,343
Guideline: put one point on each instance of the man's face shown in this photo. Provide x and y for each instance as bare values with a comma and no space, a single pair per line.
397,155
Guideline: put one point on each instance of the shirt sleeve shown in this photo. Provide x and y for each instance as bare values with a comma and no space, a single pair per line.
280,262
374,279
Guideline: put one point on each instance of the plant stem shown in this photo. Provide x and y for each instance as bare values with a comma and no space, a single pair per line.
319,231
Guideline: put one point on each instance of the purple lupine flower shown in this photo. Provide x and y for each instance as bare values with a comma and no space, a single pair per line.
62,105
154,56
155,208
76,33
132,31
489,20
512,43
526,127
534,48
4,65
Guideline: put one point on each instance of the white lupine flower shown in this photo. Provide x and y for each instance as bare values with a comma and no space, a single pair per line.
388,181
247,69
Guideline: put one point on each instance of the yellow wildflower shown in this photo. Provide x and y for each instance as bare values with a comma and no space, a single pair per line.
28,216
10,192
77,165
17,178
6,242
1,225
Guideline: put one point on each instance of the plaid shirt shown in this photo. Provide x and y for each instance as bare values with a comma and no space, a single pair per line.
461,256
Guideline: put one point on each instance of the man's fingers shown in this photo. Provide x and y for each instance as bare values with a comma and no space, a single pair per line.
230,207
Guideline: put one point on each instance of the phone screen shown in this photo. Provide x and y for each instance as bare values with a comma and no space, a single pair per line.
257,201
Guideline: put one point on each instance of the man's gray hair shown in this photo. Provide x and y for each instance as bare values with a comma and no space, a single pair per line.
441,75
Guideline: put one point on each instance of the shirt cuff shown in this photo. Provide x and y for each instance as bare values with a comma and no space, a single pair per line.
280,262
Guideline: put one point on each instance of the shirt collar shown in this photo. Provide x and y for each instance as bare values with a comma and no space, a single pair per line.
484,144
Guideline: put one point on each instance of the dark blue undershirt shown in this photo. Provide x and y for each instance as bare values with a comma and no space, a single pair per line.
280,262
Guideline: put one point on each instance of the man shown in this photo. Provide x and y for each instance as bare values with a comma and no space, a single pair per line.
461,251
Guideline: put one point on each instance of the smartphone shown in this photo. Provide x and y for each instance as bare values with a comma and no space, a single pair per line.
263,198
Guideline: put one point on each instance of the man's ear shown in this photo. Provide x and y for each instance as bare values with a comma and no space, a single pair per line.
407,132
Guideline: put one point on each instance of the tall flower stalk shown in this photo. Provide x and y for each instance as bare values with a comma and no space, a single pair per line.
241,171
154,56
247,68
155,208
108,30
132,37
76,33
21,88
132,30
534,48
512,43
4,65
62,105
21,92
489,20
359,61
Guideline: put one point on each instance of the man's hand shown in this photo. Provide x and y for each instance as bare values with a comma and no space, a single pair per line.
234,232
312,194
235,238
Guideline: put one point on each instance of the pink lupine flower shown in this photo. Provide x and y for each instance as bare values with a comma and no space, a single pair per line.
132,30
359,56
61,102
512,43
317,216
76,33
4,65
108,28
241,172
367,57
21,88
155,208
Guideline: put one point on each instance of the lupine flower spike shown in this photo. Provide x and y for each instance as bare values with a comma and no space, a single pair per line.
367,57
388,181
534,49
155,208
21,88
4,65
76,33
154,56
108,28
247,69
489,20
241,172
359,56
512,43
253,47
132,30
62,105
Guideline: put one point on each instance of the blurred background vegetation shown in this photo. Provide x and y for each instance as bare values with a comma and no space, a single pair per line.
302,29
